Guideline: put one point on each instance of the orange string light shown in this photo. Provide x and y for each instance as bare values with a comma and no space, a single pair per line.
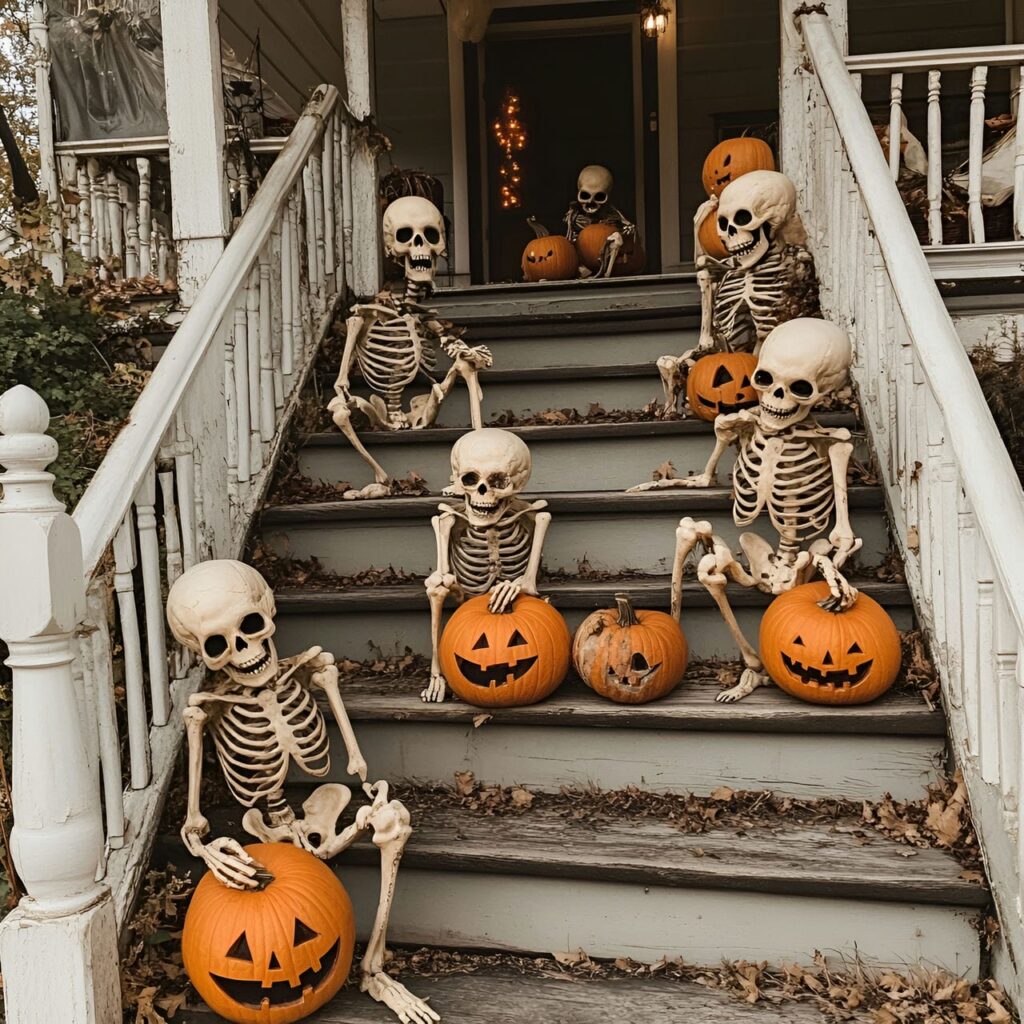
510,135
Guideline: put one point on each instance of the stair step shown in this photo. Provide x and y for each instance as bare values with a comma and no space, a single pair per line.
565,457
686,742
612,531
503,996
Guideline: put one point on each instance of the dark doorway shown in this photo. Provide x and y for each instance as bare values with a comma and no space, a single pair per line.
577,107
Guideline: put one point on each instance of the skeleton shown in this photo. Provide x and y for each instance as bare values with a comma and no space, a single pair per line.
392,341
263,716
494,542
593,205
742,297
788,466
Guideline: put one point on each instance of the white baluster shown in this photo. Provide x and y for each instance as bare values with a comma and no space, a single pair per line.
244,183
114,218
299,298
231,413
163,265
895,122
98,201
988,666
935,157
346,199
339,206
59,947
1007,655
316,174
979,78
145,170
242,390
266,420
131,245
276,316
327,189
172,530
1018,164
307,218
125,560
287,302
252,337
185,477
86,241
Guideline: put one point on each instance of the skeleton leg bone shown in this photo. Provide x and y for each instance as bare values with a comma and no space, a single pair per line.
341,412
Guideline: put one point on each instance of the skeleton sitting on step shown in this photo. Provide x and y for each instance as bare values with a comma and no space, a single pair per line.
392,341
786,465
494,541
593,205
746,295
263,715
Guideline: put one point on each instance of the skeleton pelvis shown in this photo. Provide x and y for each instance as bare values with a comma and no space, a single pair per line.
774,572
320,814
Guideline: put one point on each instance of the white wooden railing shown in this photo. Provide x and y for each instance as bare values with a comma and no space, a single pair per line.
189,469
956,506
930,65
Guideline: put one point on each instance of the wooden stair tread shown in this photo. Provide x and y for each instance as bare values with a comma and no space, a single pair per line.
690,707
527,374
503,996
559,503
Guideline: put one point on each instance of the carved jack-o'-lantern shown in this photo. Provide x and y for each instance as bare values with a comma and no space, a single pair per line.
506,660
590,244
824,657
719,383
628,656
271,955
549,258
731,159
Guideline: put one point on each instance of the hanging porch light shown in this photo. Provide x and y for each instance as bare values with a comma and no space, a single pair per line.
654,19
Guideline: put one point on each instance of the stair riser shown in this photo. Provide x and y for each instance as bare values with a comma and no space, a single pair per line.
583,350
611,919
614,543
545,758
360,634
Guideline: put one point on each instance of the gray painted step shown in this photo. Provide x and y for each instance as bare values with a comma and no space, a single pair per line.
683,743
568,457
496,996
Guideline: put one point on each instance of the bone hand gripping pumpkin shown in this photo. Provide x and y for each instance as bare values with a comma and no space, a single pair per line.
263,716
788,466
492,543
393,340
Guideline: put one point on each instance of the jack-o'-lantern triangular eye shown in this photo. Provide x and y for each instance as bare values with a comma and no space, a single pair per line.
240,949
275,964
746,382
722,376
303,933
481,643
855,649
798,642
638,663
517,639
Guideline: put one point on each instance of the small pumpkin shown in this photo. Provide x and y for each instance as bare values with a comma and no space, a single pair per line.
272,955
710,242
823,657
508,659
731,159
630,657
550,258
719,383
590,241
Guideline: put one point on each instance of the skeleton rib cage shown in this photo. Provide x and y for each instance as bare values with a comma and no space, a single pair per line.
481,556
392,354
756,293
256,739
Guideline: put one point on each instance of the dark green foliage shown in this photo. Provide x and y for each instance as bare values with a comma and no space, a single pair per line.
1002,381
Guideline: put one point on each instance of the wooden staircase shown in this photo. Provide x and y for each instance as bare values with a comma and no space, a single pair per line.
544,880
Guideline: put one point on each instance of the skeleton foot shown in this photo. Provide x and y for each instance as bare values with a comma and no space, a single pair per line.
435,691
750,680
395,996
374,490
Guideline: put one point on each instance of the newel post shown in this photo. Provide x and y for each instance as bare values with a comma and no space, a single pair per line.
58,949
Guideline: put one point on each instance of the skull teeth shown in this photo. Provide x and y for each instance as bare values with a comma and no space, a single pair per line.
782,414
254,665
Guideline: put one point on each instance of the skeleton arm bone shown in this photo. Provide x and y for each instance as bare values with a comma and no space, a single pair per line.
325,677
356,328
727,429
439,584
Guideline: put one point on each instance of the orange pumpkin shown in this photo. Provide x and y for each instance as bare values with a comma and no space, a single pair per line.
272,955
550,258
630,657
825,657
590,243
731,159
719,383
506,660
707,234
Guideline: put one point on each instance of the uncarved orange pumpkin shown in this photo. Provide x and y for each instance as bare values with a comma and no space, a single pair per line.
707,234
550,258
271,955
506,660
590,243
824,657
720,383
630,657
731,159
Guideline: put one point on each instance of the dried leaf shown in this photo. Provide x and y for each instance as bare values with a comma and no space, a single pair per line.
479,720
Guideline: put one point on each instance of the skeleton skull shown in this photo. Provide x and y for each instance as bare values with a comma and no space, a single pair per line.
755,210
800,361
224,611
489,468
414,236
594,186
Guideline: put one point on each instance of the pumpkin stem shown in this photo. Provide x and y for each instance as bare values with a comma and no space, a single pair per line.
627,617
538,229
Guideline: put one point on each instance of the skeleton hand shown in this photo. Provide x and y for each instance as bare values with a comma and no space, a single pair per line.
628,230
478,357
230,864
841,594
700,480
504,593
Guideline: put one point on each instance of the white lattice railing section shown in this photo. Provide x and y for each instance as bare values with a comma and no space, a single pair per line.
181,483
931,66
956,505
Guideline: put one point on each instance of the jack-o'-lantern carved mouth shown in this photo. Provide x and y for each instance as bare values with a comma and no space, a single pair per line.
722,408
494,675
255,995
831,677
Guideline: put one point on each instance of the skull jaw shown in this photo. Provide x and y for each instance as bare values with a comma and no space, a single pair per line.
260,673
484,513
591,208
419,269
745,252
780,413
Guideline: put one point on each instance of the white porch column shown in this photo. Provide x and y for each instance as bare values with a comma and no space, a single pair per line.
357,32
58,950
195,130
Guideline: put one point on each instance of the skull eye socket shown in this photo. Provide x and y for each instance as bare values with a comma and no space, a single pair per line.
722,376
303,933
584,196
403,235
252,623
481,643
599,197
497,480
470,479
432,235
517,640
763,379
214,646
742,217
802,388
240,950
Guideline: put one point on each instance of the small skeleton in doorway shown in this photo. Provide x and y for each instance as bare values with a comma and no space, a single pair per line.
263,715
746,295
593,205
394,340
494,541
786,465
